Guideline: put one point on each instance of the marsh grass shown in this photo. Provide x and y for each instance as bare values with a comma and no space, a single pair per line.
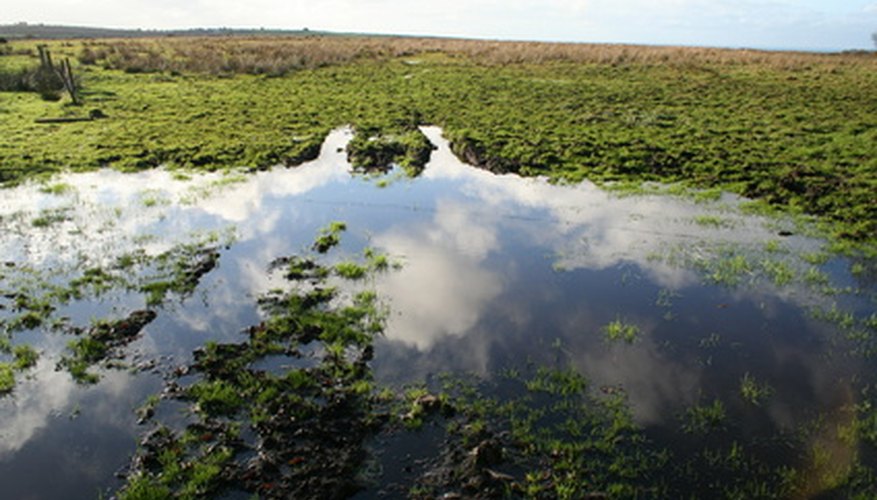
795,130
619,330
753,391
705,418
280,55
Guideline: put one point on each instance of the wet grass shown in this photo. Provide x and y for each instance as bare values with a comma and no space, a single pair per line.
31,301
329,237
702,419
312,419
753,391
375,149
7,378
618,330
793,130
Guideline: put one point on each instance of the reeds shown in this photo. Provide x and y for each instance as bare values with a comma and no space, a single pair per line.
279,55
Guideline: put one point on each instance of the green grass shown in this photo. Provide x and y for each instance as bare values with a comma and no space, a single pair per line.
25,357
619,330
7,378
800,136
329,237
778,272
350,270
753,391
713,221
727,268
702,419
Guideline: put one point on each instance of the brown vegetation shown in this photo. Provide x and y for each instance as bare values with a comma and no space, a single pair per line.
279,55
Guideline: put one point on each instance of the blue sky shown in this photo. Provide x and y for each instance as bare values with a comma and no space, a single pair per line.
812,24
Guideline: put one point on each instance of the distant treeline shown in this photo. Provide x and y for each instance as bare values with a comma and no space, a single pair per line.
43,31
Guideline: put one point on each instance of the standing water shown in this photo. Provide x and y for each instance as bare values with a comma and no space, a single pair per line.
719,331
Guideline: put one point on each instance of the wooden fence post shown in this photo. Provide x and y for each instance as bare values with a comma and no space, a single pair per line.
69,81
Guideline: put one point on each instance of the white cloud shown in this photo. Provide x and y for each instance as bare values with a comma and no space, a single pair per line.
804,23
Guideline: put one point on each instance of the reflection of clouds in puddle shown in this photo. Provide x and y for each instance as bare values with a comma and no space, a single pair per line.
590,228
445,299
47,393
243,201
655,385
105,213
442,287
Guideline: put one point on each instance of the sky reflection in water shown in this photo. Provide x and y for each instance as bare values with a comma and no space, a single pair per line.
496,270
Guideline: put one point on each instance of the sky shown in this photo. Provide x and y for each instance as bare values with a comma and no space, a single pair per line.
793,24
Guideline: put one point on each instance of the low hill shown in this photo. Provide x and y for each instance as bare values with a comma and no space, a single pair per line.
45,31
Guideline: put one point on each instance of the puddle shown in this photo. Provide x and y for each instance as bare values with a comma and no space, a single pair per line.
497,273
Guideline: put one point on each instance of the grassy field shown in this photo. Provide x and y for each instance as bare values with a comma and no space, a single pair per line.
796,130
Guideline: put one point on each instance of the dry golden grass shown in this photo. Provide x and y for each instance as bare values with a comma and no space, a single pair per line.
278,55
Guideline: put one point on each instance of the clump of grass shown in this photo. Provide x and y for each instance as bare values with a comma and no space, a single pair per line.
702,419
779,272
711,221
7,378
753,391
216,397
329,237
50,217
350,270
726,268
774,246
57,189
43,81
25,356
376,149
620,330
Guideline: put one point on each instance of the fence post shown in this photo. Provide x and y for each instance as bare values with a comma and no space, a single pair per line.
69,81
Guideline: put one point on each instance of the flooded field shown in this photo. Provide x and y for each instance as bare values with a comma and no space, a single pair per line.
719,350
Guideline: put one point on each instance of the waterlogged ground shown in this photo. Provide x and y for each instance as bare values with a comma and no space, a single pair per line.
533,333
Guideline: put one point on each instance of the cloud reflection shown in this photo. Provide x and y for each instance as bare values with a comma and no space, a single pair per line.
443,286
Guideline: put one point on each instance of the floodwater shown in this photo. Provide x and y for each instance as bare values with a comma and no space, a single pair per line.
496,272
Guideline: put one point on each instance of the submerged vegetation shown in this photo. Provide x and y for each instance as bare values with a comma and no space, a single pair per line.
291,408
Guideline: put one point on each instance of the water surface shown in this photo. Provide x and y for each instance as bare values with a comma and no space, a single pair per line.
497,272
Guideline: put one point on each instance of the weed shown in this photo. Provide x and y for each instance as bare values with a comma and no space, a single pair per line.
350,270
25,357
620,330
753,391
329,237
702,419
50,217
727,268
779,272
57,189
7,378
711,221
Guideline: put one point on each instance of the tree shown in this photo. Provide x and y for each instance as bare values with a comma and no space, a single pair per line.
874,37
